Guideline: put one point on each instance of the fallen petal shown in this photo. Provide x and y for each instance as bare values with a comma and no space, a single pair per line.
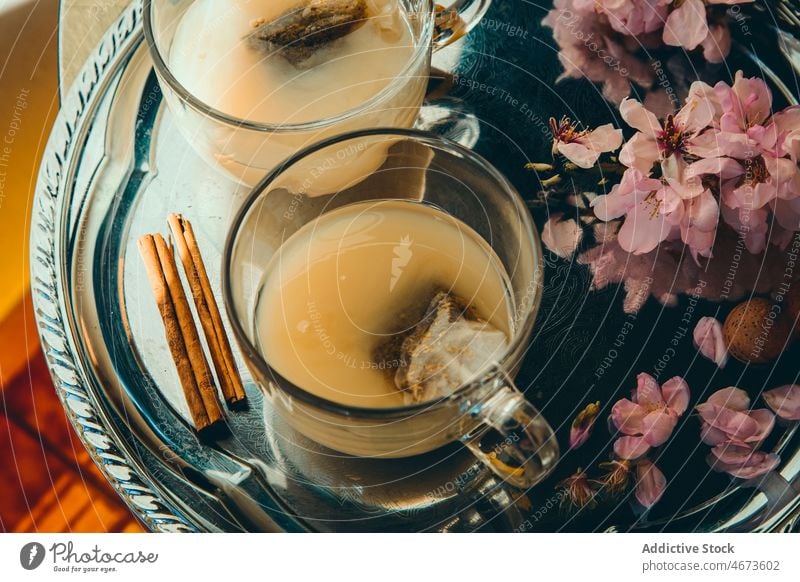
561,236
583,425
650,483
785,401
708,340
731,397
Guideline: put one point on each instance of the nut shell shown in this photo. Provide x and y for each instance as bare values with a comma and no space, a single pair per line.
756,332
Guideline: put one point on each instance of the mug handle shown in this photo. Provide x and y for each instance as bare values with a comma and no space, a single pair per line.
522,449
455,18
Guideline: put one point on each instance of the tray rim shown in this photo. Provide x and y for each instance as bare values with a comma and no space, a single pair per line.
140,492
98,436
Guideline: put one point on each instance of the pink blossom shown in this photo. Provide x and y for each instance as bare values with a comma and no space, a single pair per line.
727,420
785,401
583,148
582,426
735,432
742,462
650,483
745,104
655,141
668,271
590,49
678,206
650,417
634,17
709,341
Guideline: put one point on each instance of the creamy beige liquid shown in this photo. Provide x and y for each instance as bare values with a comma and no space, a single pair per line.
212,59
346,282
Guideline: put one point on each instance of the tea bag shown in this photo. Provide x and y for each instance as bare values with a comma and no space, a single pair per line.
449,347
300,32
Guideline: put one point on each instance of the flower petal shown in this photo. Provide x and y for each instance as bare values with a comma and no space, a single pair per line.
712,436
579,154
676,394
731,397
709,342
650,483
630,447
657,427
640,152
765,421
687,25
627,416
648,393
561,236
785,401
639,118
605,138
737,425
757,464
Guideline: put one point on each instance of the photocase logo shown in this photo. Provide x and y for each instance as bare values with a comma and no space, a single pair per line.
402,256
31,555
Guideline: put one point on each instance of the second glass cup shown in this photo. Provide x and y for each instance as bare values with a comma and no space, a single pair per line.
488,414
247,148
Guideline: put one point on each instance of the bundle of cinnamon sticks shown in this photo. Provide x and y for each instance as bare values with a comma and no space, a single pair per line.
183,339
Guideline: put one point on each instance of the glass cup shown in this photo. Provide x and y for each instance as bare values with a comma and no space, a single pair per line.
490,415
246,149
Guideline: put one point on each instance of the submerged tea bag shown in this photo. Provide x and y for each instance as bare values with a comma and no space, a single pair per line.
300,32
448,348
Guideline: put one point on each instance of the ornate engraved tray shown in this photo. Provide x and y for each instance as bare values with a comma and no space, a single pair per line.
115,167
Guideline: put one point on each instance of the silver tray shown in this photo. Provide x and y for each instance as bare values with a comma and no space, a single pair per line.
115,166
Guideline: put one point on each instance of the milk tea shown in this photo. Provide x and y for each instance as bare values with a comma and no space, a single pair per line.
214,57
346,285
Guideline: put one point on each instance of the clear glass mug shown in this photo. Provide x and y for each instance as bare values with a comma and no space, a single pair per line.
490,415
246,150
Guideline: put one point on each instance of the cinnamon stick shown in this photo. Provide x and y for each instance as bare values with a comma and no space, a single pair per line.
177,346
207,309
194,349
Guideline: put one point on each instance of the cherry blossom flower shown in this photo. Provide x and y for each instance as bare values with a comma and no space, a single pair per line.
650,483
589,48
582,426
677,206
726,419
583,147
649,418
709,341
656,141
735,433
785,401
